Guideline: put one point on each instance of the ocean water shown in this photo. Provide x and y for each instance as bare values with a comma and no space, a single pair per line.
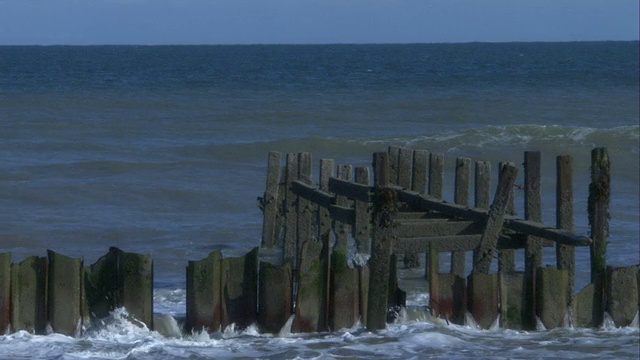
162,150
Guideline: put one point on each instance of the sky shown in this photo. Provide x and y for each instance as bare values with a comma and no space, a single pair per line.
153,22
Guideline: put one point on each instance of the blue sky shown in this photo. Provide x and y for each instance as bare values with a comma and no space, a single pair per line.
80,22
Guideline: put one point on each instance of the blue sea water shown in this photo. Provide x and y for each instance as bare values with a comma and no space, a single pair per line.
163,149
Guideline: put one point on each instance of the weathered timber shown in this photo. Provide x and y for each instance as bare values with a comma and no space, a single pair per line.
269,202
29,295
441,243
290,246
420,168
532,212
447,292
551,285
484,256
363,278
346,188
306,213
204,301
327,169
65,296
622,294
461,197
381,165
437,228
310,304
239,290
483,303
101,285
135,285
405,167
582,308
5,293
342,214
565,254
312,194
436,175
343,229
385,208
482,185
512,300
344,304
393,158
275,296
598,207
506,257
362,226
396,297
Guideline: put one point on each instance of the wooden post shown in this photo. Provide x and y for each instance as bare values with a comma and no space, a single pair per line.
29,295
362,228
204,301
290,250
436,175
394,158
275,292
343,230
461,197
135,286
344,304
5,292
311,304
64,298
565,255
306,213
483,184
381,169
533,249
269,202
405,167
420,169
493,228
327,170
599,196
507,257
239,290
385,208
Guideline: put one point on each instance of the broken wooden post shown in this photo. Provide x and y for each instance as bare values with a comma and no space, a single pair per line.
29,295
135,280
5,293
420,170
484,256
461,197
269,202
565,254
275,292
290,247
512,300
483,300
551,296
64,294
622,294
344,303
447,292
101,285
385,209
362,228
239,290
533,248
599,196
204,302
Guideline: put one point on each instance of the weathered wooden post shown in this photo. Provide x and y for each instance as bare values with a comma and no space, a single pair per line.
565,254
362,228
507,257
482,191
275,296
533,248
290,246
239,289
65,295
311,304
5,292
29,295
436,186
461,197
344,304
420,170
204,303
269,202
599,196
405,167
385,208
343,230
135,280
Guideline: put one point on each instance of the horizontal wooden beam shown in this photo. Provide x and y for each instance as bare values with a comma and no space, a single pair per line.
350,189
430,228
312,194
342,214
537,229
439,243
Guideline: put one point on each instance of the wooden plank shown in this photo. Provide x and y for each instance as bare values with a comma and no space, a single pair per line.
495,220
565,254
461,197
598,208
436,175
438,228
441,243
29,295
349,189
309,193
135,286
420,170
289,251
275,292
204,297
482,185
310,298
239,285
5,293
362,226
64,294
533,251
342,214
269,202
405,167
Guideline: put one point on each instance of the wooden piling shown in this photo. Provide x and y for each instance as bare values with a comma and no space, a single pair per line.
533,248
64,297
381,169
394,159
343,230
512,300
551,296
598,208
239,290
507,257
204,302
344,304
275,295
306,212
270,200
565,254
5,293
420,170
310,303
29,295
101,285
436,175
622,294
461,197
327,170
362,228
482,184
290,249
405,167
483,300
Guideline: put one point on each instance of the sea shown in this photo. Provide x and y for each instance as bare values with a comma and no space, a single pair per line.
162,150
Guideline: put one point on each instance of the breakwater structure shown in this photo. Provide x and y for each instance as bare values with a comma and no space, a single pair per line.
389,213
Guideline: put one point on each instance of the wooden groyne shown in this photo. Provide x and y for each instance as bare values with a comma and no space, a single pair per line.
389,213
